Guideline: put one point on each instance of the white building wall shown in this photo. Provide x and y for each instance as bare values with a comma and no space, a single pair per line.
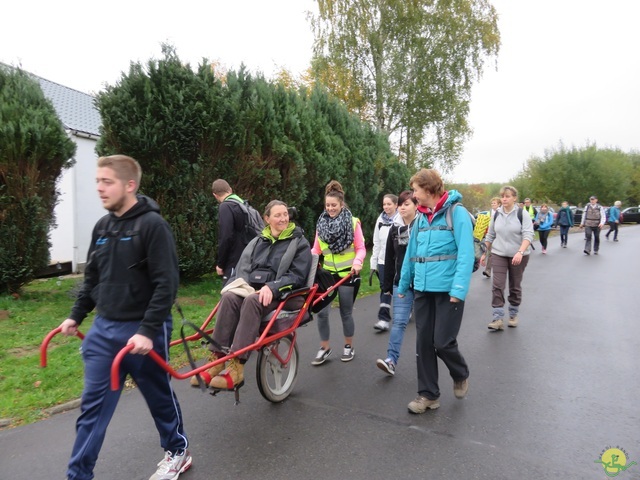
79,207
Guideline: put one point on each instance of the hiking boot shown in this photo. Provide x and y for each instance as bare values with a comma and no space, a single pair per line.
382,326
496,325
513,322
208,375
229,378
348,353
460,388
387,366
422,404
172,465
321,356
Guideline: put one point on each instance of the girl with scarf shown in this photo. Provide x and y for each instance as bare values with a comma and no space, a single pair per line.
544,221
340,241
380,233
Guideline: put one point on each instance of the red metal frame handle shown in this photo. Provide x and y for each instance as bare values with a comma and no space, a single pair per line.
45,344
321,296
115,367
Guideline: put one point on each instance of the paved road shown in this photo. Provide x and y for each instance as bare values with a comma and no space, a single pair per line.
545,399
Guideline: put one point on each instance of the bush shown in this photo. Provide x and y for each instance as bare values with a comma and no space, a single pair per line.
34,149
187,128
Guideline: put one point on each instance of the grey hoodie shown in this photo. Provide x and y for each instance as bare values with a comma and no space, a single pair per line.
506,233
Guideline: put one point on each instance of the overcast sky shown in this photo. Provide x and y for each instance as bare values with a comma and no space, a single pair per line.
568,70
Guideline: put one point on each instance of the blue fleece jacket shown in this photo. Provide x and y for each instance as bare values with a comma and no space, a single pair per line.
429,240
544,221
614,214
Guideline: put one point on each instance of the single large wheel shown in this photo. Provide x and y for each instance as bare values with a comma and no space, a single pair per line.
275,380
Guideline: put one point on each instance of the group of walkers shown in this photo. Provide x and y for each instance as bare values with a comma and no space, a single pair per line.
423,255
594,218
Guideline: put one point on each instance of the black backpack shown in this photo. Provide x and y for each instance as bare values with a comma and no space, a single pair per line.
253,222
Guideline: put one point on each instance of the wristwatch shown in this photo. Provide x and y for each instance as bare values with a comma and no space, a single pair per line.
521,252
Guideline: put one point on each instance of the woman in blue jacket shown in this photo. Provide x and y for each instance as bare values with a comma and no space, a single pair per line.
544,221
438,264
614,220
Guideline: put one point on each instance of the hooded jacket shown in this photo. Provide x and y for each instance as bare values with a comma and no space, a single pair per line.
544,221
231,222
431,240
132,269
380,235
287,257
396,248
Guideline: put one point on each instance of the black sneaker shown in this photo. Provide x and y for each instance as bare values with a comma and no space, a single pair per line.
348,353
321,356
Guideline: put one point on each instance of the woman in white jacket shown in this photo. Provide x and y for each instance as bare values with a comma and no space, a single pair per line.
380,233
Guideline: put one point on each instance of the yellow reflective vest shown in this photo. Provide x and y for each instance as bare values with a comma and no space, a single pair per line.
342,262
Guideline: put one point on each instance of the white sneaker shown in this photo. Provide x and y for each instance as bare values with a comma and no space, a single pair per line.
348,353
382,326
321,356
172,465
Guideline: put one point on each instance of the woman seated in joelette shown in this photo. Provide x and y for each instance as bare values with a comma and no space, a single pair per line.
276,261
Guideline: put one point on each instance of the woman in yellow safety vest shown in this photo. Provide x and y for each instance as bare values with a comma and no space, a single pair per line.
340,241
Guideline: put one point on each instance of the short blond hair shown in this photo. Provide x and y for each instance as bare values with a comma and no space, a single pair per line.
509,188
126,168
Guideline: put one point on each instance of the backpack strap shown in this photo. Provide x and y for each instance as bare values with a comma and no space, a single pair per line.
519,213
437,258
237,201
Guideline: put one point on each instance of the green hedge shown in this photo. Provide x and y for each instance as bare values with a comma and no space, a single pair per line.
34,149
187,128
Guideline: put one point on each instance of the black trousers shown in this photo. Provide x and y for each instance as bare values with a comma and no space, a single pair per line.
437,323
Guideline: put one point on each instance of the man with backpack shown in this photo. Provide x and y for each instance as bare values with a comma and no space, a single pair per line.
237,220
593,219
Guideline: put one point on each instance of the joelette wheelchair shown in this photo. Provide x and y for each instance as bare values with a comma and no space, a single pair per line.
277,361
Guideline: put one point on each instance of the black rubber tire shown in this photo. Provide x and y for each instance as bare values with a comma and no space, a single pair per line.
275,381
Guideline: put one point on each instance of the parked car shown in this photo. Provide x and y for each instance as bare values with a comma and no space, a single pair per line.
577,215
631,215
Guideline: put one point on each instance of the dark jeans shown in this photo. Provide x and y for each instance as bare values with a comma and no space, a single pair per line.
588,232
384,312
437,323
564,234
544,235
613,227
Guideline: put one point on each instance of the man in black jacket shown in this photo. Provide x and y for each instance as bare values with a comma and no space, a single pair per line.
131,279
231,226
